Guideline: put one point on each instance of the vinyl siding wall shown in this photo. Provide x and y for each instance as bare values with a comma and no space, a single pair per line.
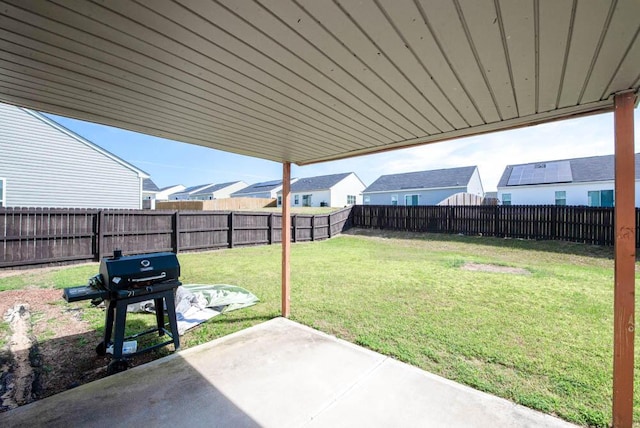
317,197
45,167
425,197
475,184
269,194
351,185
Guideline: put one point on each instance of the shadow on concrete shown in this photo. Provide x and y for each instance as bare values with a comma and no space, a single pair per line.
141,396
51,366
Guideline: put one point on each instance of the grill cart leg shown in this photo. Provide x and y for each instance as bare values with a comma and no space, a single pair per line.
118,334
173,322
116,318
101,349
159,305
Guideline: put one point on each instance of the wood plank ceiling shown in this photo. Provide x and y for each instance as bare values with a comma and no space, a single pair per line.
305,81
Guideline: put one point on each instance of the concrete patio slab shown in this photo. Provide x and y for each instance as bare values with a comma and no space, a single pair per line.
276,374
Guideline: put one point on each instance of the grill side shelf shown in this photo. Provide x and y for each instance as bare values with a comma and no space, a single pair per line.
83,292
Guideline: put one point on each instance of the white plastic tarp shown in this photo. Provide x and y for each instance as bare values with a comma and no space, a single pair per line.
196,303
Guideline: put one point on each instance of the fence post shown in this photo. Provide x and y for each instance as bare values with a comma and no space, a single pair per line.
451,219
313,228
554,220
294,224
230,237
329,225
100,234
270,230
176,232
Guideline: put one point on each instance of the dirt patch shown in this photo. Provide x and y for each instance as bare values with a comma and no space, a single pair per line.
61,350
479,267
19,390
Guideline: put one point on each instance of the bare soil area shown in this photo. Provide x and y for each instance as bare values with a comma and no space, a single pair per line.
481,267
47,347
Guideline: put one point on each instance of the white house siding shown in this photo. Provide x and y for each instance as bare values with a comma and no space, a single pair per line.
272,194
46,167
227,191
350,185
475,184
163,195
425,197
544,194
317,197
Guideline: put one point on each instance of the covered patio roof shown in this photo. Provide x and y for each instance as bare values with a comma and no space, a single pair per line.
307,81
304,81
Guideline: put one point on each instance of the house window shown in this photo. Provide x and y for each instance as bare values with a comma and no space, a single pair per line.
2,191
296,199
561,197
506,199
366,200
279,200
410,200
306,200
394,199
600,198
351,199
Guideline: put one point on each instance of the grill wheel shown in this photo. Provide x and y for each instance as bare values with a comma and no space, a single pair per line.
101,350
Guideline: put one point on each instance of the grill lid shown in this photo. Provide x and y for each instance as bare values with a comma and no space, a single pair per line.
121,272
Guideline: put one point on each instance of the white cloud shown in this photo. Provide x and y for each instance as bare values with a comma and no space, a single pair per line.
587,136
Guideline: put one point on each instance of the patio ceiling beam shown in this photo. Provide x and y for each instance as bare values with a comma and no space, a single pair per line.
286,238
625,257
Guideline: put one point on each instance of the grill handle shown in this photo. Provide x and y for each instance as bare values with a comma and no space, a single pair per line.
149,278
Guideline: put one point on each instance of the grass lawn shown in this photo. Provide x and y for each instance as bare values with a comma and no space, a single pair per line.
542,339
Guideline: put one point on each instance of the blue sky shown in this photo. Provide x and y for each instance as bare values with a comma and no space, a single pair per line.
170,162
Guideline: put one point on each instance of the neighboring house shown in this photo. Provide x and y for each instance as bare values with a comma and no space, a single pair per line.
184,194
149,191
43,164
581,181
423,187
266,189
204,192
164,193
335,190
218,191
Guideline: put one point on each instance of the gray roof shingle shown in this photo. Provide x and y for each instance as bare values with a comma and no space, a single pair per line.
265,186
149,186
436,178
594,168
214,188
321,182
190,190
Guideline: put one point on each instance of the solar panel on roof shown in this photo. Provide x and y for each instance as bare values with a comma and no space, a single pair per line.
541,173
268,183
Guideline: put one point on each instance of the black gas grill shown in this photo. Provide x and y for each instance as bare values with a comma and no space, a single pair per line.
125,280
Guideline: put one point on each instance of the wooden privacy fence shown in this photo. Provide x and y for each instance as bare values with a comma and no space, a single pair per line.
224,204
31,236
590,225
